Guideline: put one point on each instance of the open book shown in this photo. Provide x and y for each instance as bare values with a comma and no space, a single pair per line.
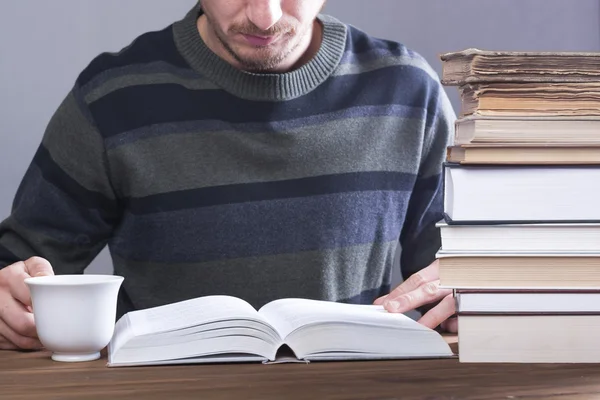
228,329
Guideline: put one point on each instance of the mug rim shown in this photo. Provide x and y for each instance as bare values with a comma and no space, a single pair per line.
73,280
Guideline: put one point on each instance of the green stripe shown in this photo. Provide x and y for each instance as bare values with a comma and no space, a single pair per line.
331,274
385,62
203,159
78,148
126,81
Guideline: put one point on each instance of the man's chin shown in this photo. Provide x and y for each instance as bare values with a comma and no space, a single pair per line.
260,66
259,59
260,62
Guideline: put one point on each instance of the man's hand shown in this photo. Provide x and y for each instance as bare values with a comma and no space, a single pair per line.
420,289
17,327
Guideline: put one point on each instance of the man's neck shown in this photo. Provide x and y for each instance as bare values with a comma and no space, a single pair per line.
303,53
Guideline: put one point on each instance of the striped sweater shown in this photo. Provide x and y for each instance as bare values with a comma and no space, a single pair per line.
203,179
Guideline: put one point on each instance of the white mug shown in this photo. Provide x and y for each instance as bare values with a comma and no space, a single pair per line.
75,314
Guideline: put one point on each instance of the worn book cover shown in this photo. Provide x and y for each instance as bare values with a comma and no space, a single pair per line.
476,65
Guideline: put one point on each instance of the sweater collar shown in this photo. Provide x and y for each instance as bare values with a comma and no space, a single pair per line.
256,86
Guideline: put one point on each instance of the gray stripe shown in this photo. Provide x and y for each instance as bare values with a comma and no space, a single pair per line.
350,69
160,164
154,67
331,275
76,146
351,57
127,77
439,137
66,258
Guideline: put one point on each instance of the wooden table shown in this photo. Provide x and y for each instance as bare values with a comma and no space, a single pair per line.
35,376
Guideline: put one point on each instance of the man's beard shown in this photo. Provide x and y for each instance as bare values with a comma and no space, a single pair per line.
263,59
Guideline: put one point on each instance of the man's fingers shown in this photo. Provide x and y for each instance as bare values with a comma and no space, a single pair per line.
450,325
424,276
425,294
33,267
15,316
16,284
37,266
411,284
17,325
9,339
439,313
379,301
6,345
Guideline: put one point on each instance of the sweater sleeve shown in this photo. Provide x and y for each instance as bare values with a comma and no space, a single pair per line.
65,208
420,238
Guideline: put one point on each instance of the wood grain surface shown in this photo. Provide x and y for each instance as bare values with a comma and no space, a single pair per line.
33,375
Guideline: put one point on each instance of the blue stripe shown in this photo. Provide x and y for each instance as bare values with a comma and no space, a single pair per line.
427,206
46,209
425,210
211,125
149,47
263,191
142,106
262,228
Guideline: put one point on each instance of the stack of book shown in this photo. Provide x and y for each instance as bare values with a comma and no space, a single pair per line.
521,235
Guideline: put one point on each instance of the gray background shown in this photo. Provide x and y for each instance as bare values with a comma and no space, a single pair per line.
45,44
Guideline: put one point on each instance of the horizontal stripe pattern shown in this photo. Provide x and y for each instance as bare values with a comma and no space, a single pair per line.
151,68
72,216
147,48
337,275
206,159
376,64
204,179
295,125
260,228
276,190
66,257
155,73
374,53
141,106
86,166
140,80
58,178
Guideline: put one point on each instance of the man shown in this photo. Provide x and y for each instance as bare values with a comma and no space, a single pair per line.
255,148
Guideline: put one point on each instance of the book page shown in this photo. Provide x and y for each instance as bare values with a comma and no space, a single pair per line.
287,315
190,313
